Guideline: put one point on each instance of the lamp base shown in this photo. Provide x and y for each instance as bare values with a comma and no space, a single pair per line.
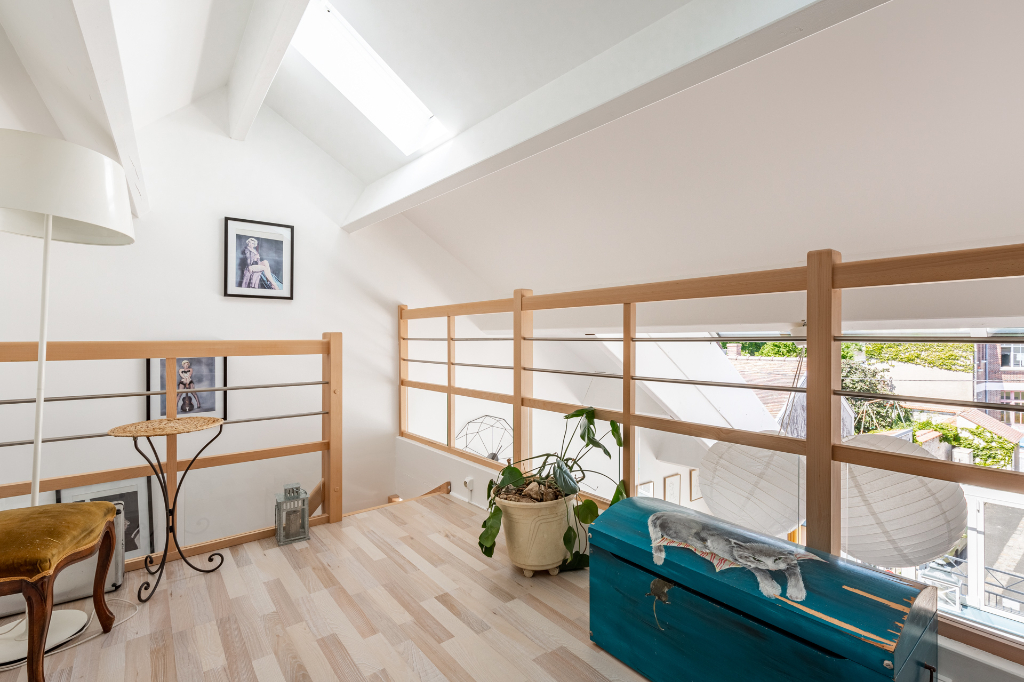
64,625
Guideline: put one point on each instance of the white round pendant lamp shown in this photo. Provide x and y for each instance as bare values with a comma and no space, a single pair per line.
753,487
889,519
898,520
60,191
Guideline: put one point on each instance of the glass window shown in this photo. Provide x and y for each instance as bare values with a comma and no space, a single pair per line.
1012,398
1012,355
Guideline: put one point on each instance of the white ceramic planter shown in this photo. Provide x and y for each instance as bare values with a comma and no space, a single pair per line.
533,533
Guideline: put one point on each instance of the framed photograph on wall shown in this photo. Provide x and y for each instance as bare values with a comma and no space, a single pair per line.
137,496
190,373
695,485
645,489
674,488
259,259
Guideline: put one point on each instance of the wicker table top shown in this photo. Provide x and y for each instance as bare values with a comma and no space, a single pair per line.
165,427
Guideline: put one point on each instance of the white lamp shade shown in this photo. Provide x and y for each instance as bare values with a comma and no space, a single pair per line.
754,487
84,191
889,519
898,520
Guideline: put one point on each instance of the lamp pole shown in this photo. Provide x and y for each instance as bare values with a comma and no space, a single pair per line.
37,445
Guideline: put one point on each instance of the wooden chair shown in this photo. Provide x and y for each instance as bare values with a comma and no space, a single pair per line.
36,544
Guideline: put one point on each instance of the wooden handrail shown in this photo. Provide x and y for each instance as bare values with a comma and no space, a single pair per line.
457,390
503,305
957,472
761,282
128,473
26,351
949,266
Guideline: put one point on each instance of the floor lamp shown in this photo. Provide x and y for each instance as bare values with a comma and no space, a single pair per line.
59,191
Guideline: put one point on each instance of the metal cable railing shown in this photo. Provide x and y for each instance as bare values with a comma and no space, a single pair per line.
138,394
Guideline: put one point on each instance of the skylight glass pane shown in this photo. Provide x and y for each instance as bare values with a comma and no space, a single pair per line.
334,49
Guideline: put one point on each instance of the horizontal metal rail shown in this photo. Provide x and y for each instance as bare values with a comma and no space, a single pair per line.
931,401
279,416
52,440
468,338
721,339
722,384
976,340
454,364
601,375
137,394
467,364
101,435
57,399
670,339
692,382
570,338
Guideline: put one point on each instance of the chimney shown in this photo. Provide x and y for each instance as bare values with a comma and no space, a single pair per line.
733,350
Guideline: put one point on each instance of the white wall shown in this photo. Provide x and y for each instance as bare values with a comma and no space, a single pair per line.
169,285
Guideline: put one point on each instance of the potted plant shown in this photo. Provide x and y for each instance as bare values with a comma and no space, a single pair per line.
539,508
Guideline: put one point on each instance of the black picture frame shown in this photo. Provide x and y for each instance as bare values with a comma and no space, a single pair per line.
142,509
223,394
230,263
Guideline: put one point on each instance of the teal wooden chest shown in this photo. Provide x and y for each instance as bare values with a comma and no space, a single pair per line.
678,595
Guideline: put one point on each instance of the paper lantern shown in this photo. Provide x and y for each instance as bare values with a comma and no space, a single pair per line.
889,519
759,489
897,520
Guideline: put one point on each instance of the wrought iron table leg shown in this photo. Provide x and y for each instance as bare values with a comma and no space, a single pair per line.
171,531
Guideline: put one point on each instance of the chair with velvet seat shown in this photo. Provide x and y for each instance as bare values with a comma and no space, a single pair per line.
36,544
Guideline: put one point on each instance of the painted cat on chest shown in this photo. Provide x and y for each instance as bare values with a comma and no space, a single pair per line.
727,547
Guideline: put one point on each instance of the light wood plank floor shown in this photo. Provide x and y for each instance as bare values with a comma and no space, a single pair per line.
394,594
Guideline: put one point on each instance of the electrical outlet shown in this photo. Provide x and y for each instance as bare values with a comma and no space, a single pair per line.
468,483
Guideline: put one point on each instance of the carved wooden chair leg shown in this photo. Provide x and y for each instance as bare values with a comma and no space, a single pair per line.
39,598
103,612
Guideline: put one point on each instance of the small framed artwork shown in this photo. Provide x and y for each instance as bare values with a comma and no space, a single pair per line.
137,497
695,485
191,373
674,488
259,259
645,489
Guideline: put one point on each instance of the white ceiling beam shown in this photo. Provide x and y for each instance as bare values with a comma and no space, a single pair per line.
697,42
269,31
97,24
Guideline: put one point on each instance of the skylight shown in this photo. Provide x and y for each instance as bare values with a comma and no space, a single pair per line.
334,49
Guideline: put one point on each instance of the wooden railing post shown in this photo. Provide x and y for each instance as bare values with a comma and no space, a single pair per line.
403,371
331,459
171,412
629,444
824,375
522,356
451,381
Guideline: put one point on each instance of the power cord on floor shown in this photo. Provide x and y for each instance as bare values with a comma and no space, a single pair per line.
73,642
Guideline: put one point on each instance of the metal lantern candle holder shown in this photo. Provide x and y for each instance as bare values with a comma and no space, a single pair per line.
291,515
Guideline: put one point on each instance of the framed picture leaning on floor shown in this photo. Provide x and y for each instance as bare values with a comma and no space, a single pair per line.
259,259
138,509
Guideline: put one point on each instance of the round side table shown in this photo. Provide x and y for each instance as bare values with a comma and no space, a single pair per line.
168,427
